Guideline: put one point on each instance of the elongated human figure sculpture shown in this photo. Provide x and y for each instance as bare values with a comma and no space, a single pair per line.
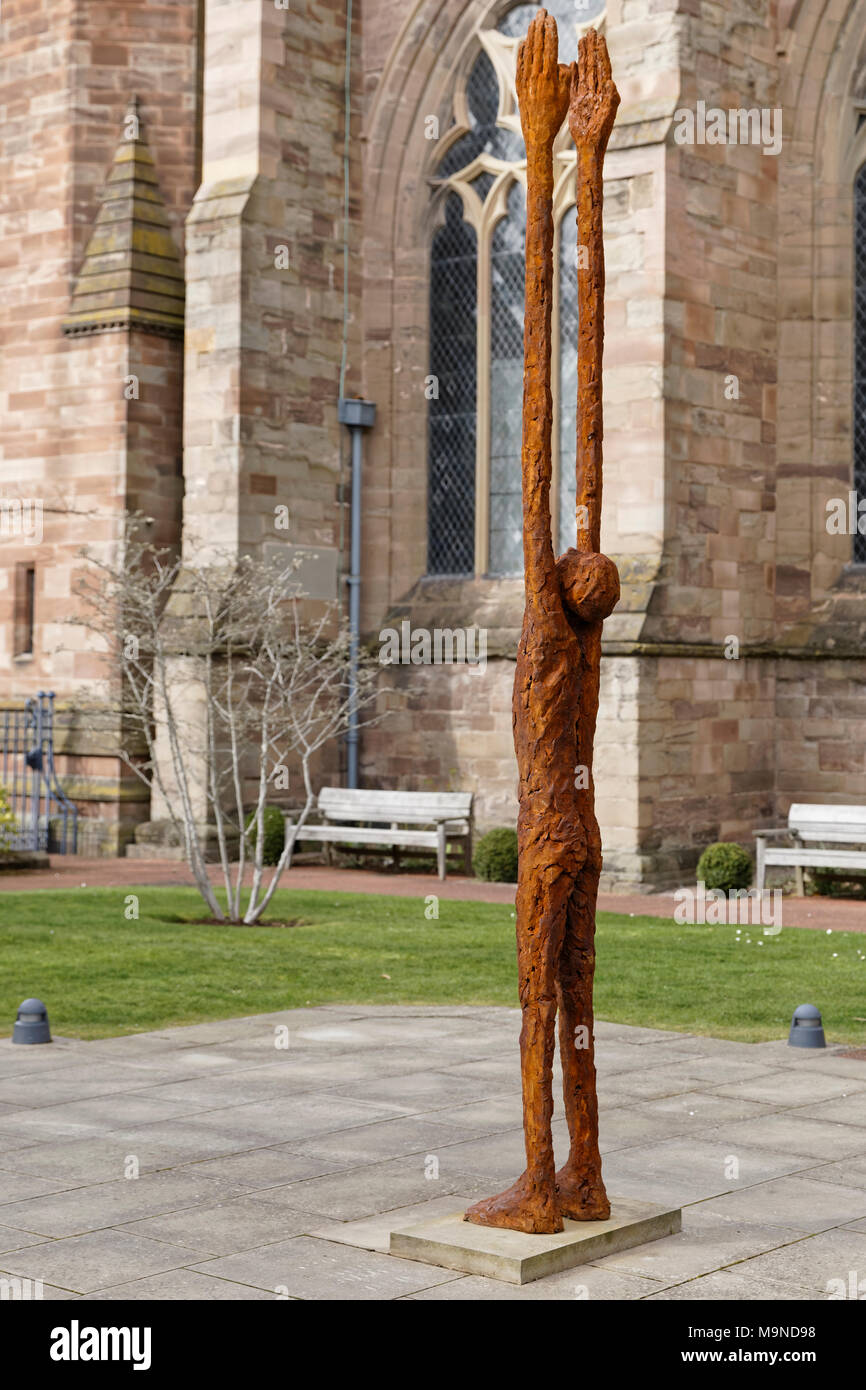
557,677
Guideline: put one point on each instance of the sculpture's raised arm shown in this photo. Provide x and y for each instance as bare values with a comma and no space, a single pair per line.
543,88
592,111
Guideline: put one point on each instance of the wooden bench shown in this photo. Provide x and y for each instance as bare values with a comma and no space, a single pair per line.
810,825
418,820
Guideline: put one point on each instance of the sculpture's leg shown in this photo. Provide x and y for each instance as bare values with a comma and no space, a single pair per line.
579,1185
542,905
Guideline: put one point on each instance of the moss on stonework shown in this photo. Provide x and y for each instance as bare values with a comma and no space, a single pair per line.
131,275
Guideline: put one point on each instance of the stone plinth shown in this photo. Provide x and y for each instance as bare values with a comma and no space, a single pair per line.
452,1243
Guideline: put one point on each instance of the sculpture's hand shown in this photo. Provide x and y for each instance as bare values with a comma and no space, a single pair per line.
594,98
543,84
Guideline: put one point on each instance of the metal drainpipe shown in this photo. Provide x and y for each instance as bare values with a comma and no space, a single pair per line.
359,415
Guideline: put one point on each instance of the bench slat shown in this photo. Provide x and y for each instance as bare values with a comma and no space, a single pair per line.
815,822
397,815
363,835
351,798
829,858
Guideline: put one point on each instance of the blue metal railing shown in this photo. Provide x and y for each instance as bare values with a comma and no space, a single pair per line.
44,817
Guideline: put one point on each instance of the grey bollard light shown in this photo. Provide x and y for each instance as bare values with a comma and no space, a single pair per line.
31,1025
807,1029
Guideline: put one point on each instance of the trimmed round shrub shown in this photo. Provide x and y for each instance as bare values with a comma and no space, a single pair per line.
495,857
7,820
725,866
275,833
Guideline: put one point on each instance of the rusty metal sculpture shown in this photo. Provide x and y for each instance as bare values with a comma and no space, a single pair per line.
557,678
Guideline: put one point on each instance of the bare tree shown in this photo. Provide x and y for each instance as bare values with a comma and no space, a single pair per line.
227,682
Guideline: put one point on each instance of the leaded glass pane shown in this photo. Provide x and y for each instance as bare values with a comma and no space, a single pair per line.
506,385
451,419
567,377
860,351
484,136
568,15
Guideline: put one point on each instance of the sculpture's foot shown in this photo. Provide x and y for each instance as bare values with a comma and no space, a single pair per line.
581,1198
527,1206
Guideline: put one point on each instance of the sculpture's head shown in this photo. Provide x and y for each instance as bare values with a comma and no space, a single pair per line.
589,584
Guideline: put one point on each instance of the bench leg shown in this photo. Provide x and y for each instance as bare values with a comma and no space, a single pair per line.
798,874
467,856
441,850
760,850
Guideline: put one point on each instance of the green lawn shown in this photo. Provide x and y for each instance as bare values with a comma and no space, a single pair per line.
101,974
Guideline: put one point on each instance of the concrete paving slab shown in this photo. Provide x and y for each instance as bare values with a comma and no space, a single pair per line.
373,1188
221,1092
452,1243
586,1282
97,1115
814,1262
830,1061
21,1061
179,1285
793,1087
705,1243
615,1057
95,1261
651,1083
242,1223
848,1110
848,1173
495,1158
499,1070
729,1286
420,1092
387,1139
261,1168
690,1169
699,1110
74,1163
339,1070
320,1269
640,1037
15,1187
12,1239
83,1209
498,1013
480,1116
374,1232
623,1127
73,1083
797,1201
10,1143
104,1157
181,1064
283,1120
793,1132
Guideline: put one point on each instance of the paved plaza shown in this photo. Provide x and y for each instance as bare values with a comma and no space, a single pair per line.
274,1154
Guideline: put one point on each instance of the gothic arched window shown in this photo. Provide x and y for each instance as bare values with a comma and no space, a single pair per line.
860,352
476,312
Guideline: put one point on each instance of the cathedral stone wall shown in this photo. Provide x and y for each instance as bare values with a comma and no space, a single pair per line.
733,674
71,438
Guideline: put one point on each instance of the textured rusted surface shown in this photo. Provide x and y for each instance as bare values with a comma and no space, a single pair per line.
556,681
